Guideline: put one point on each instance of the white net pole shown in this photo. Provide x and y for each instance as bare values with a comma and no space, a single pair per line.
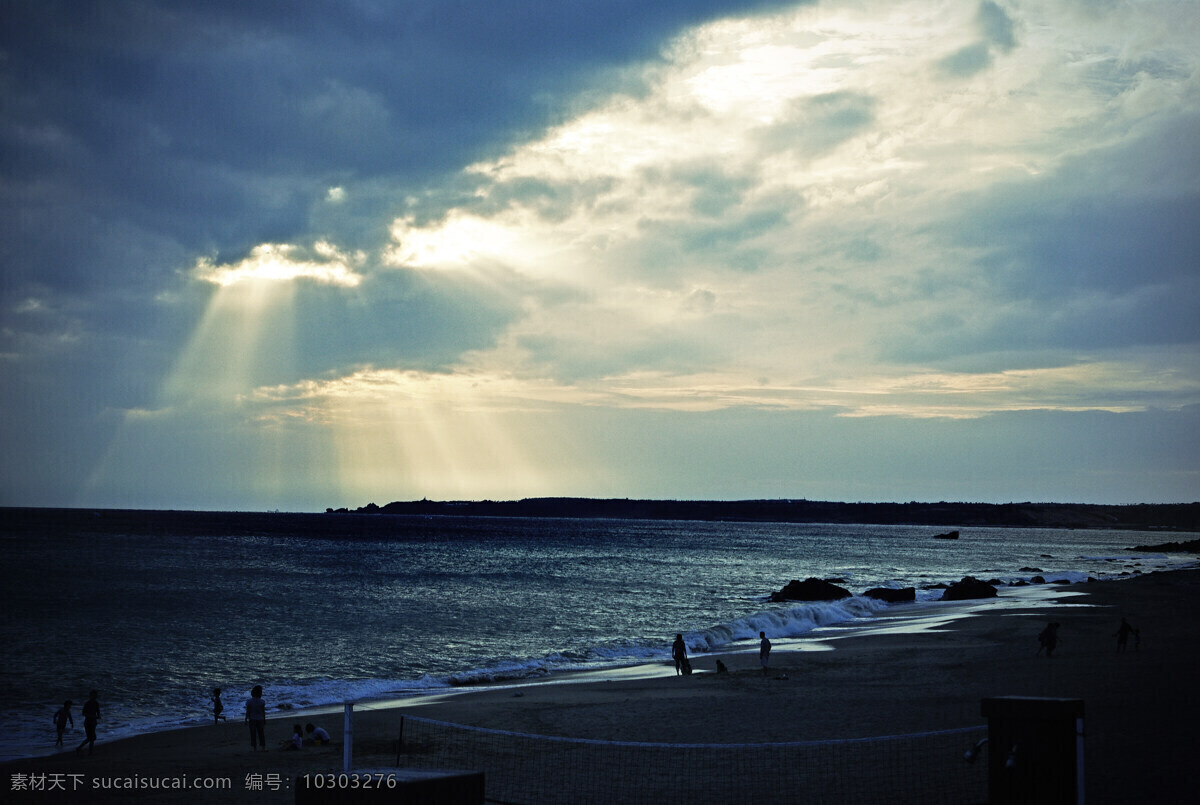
348,739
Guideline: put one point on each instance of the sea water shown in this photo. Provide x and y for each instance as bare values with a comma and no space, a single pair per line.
154,617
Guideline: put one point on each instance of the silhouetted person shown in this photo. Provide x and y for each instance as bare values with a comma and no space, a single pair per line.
679,653
60,720
218,708
1048,639
297,739
317,734
91,714
1122,635
256,717
764,651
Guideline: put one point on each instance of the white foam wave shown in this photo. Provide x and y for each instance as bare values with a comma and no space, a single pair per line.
792,621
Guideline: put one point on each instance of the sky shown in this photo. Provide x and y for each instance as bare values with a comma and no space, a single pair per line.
282,255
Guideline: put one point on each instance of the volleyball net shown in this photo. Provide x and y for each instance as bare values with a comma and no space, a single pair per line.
524,769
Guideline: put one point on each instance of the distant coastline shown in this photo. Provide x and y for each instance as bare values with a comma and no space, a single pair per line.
371,520
1134,517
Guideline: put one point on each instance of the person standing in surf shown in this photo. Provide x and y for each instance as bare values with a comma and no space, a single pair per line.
679,653
91,715
60,720
764,651
218,708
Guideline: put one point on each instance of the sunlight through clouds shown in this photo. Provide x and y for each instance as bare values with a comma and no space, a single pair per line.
247,331
463,241
619,247
793,166
284,261
454,433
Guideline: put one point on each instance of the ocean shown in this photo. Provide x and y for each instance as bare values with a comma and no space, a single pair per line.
154,610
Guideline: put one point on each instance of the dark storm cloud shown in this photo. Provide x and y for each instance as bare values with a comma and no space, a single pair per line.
217,124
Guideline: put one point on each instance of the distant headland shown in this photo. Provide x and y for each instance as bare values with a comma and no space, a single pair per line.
1137,517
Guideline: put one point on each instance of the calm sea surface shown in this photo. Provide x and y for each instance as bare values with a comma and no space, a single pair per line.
155,617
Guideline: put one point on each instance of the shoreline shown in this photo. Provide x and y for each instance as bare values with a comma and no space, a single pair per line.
872,684
914,616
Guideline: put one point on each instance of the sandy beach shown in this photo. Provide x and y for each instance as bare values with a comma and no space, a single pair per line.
1141,705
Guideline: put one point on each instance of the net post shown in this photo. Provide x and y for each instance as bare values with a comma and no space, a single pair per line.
348,739
1079,786
400,742
1035,750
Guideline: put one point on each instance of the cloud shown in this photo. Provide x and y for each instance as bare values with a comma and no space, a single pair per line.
236,118
996,26
817,124
270,262
1028,257
967,61
997,33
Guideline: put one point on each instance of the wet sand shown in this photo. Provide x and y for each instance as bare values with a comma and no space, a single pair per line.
1142,706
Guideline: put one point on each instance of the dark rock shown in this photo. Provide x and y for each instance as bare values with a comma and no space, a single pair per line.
947,535
1030,570
941,585
969,587
1038,580
892,595
810,590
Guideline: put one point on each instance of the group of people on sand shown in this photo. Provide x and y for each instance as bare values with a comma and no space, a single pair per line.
91,716
1048,638
316,735
684,666
256,718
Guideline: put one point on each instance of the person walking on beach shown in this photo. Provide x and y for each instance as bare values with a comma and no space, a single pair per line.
679,653
218,708
60,720
1049,639
1122,634
764,651
256,717
91,714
